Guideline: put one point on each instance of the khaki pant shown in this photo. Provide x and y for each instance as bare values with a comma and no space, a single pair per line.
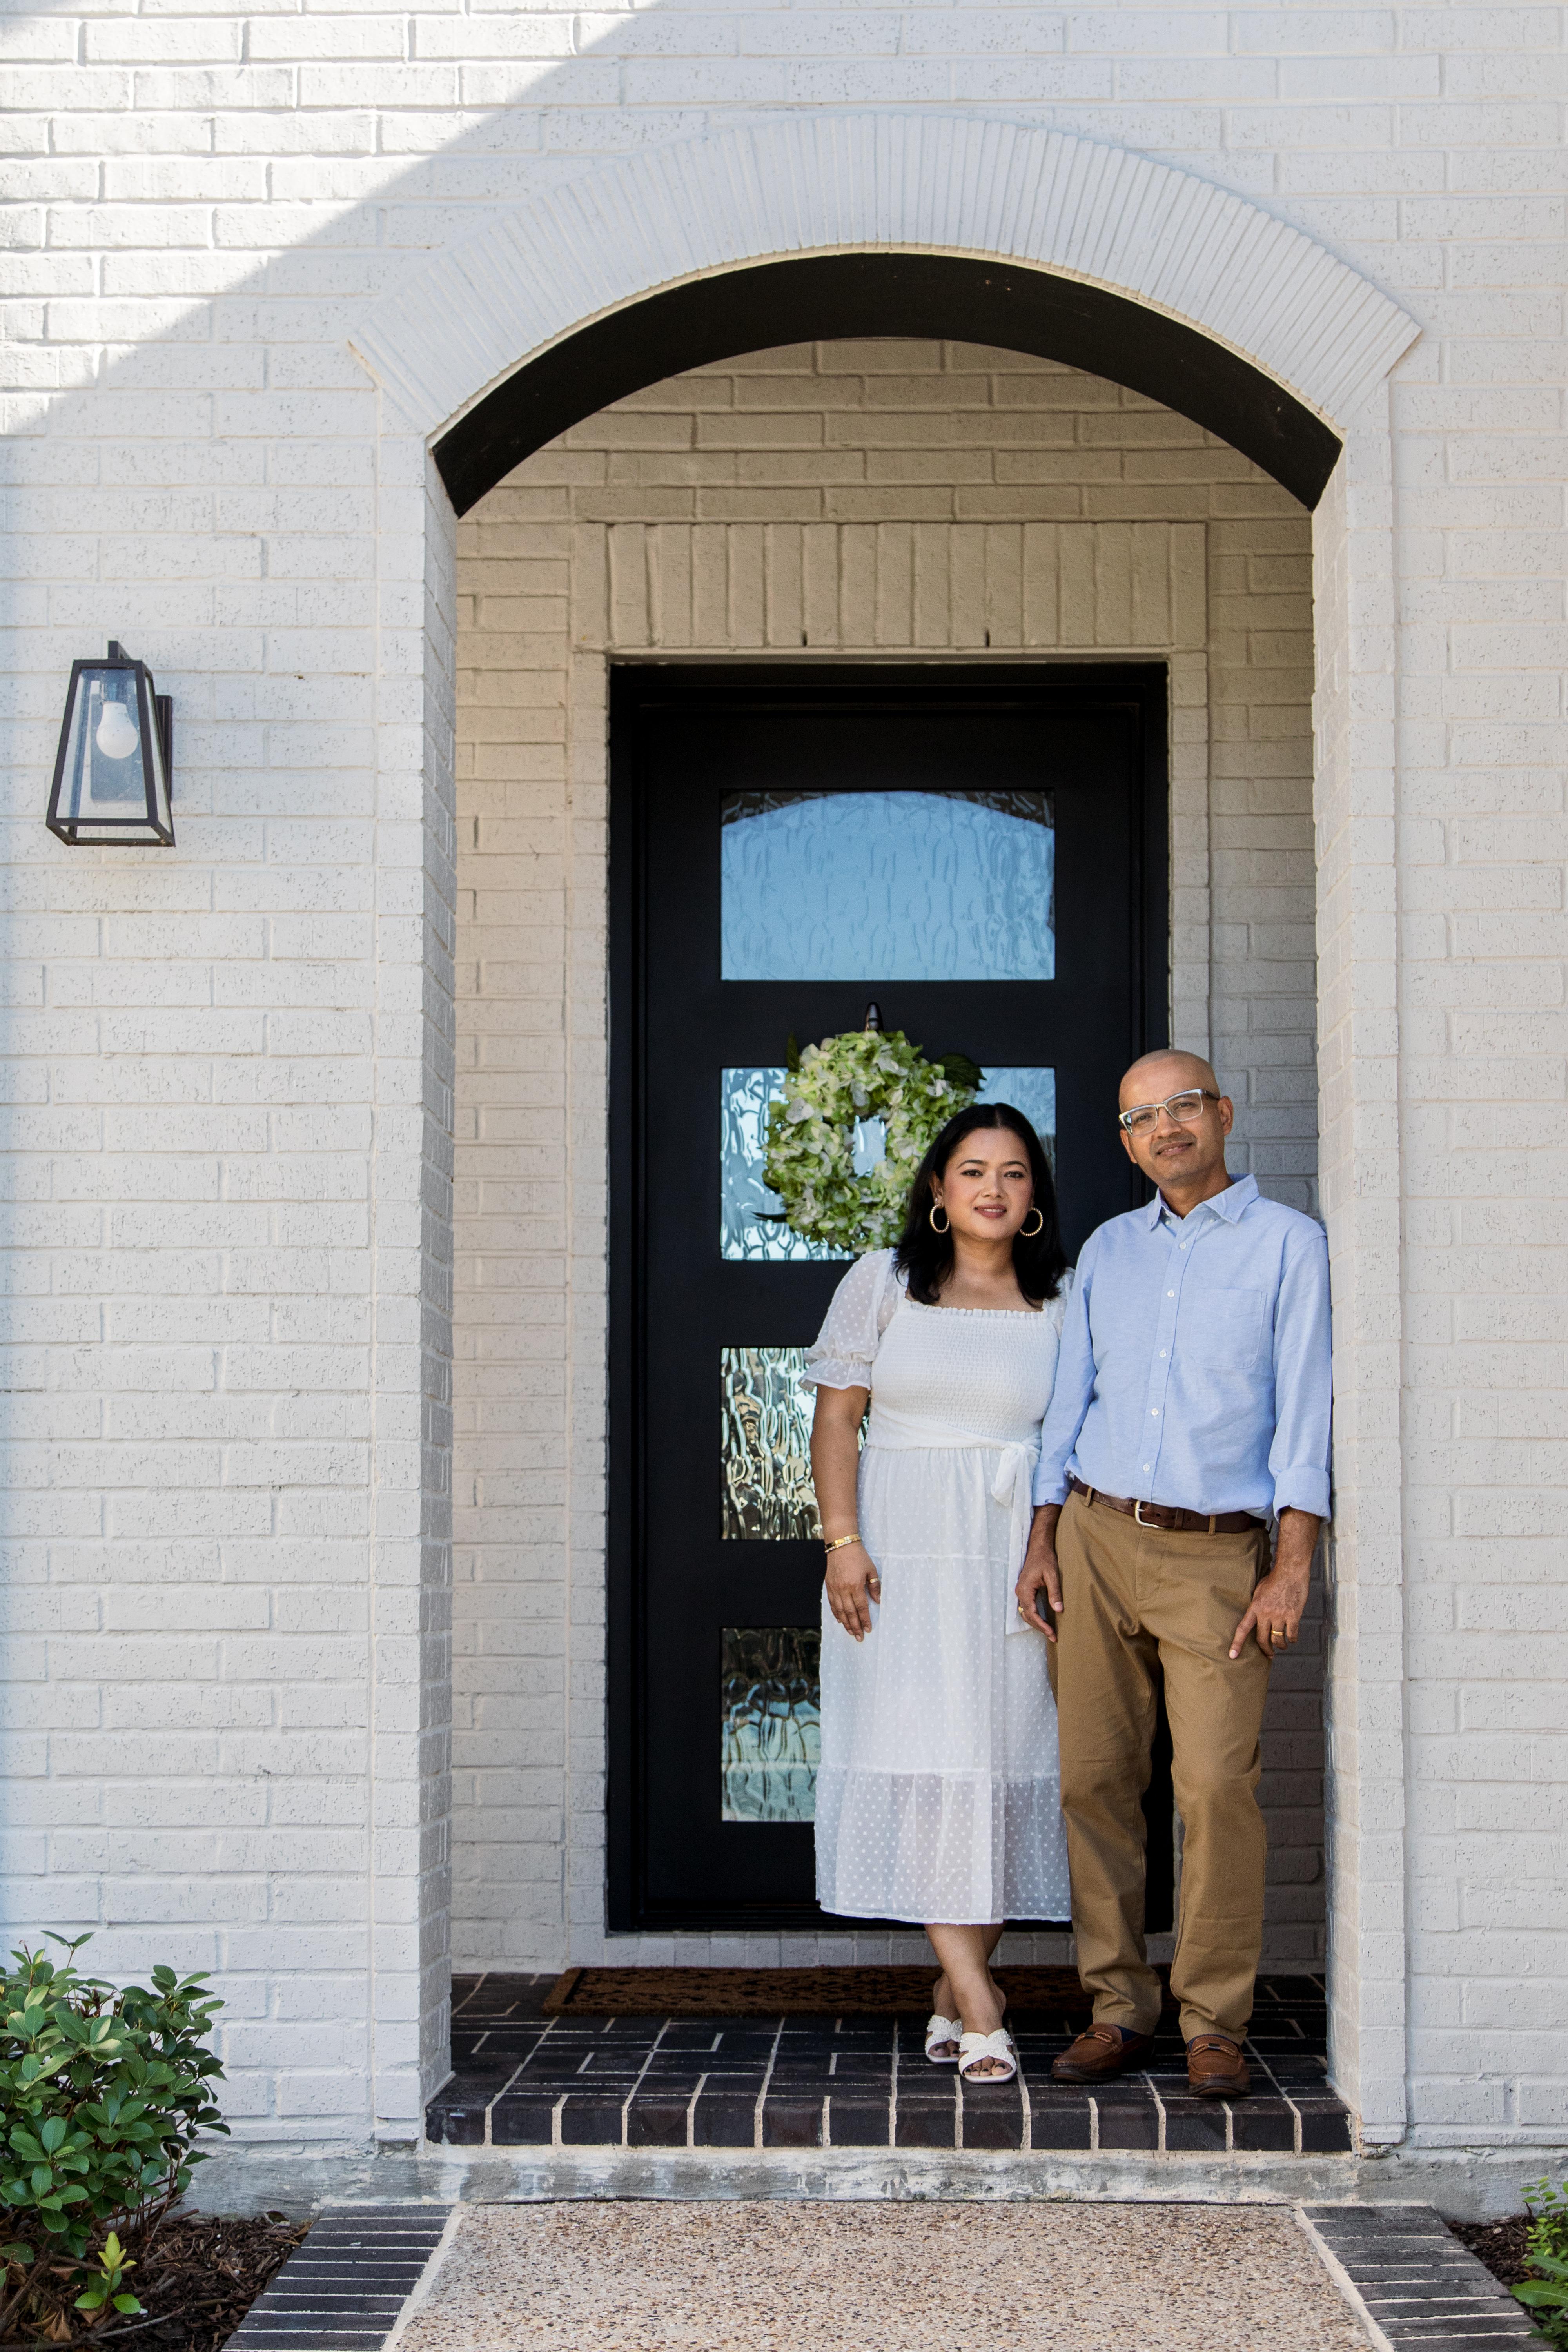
1132,1597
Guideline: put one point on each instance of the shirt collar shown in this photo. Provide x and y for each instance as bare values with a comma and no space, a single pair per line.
1230,1204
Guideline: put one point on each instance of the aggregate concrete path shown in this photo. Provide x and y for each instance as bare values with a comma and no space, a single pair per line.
773,2277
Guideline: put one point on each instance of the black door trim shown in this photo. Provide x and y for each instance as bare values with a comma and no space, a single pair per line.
641,684
826,297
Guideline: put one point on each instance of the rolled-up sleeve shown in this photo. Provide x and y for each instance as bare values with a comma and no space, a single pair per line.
1074,1388
1303,1379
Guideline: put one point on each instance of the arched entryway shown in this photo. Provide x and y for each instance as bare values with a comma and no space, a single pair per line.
815,562
936,297
1150,236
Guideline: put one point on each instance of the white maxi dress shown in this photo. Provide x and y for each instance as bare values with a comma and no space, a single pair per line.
939,1792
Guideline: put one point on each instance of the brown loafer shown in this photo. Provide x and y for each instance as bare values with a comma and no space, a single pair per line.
1216,2068
1099,2055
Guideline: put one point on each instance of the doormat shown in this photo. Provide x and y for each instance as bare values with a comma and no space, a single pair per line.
795,1992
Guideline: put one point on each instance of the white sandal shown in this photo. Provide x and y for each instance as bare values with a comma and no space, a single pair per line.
973,2047
940,2029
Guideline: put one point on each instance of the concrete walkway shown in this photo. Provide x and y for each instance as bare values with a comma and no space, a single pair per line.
775,2277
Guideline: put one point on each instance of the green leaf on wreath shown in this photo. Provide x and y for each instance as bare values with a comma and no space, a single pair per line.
961,1069
807,1161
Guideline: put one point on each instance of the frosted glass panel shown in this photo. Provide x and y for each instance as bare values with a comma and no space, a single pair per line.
767,1446
745,1201
772,1738
1034,1092
889,886
744,1232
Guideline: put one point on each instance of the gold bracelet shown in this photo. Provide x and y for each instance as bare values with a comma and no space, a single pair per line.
839,1541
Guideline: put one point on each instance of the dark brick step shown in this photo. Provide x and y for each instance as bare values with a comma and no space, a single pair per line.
342,2290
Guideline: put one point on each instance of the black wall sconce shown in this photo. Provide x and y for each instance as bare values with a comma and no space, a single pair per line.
112,769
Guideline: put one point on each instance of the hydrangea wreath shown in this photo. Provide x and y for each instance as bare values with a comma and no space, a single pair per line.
863,1075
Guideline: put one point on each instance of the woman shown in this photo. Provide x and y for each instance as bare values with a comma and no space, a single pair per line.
938,1796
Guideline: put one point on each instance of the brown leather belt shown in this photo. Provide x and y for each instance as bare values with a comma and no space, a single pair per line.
1169,1520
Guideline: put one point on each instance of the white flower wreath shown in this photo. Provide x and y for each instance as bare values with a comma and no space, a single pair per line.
862,1074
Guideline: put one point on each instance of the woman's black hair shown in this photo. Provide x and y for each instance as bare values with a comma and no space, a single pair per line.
924,1256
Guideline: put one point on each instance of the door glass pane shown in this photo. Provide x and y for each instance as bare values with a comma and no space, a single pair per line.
889,886
1034,1092
771,1740
744,1228
746,1204
767,1446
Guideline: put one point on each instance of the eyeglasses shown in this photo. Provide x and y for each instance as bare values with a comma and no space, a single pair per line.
1186,1108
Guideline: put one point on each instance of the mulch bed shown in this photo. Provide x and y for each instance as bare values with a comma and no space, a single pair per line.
206,2271
1499,2244
793,1992
200,2278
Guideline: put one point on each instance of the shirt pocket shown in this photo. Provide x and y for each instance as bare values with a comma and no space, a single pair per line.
1224,1330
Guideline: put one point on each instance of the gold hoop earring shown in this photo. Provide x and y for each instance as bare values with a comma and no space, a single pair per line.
1023,1233
946,1220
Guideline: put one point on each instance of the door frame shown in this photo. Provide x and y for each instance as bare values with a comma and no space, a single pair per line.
630,681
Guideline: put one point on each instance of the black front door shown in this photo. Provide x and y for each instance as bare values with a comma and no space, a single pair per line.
982,854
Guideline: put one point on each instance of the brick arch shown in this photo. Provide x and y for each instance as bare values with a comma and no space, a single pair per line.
477,322
1236,317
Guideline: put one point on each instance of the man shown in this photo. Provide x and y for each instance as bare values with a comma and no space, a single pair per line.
1191,1407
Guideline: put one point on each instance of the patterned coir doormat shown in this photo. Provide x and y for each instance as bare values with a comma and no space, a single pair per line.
793,1992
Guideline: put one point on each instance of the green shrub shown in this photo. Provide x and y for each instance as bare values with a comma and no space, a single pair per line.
102,2094
1546,2250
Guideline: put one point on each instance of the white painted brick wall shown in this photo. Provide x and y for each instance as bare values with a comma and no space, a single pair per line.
211,1195
879,499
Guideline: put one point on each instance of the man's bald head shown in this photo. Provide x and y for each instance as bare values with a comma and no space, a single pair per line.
1185,1157
1154,1076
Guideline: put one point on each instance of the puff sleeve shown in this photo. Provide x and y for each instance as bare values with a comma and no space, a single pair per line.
862,1309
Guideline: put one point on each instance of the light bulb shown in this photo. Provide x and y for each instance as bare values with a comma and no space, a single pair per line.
117,735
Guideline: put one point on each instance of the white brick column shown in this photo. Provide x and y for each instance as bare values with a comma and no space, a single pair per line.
1359,1177
410,1625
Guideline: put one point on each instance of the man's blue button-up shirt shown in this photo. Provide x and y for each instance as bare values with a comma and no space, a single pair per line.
1195,1365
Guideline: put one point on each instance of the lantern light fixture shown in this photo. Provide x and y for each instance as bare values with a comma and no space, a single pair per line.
114,766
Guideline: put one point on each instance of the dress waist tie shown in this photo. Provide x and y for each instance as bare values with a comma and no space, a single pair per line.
1012,1485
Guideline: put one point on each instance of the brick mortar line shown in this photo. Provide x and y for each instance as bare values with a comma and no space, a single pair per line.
1341,2279
637,2086
1277,2091
489,2140
354,2264
767,2078
1429,2315
893,2093
423,2285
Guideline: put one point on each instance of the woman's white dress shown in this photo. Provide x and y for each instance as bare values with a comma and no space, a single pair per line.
939,1793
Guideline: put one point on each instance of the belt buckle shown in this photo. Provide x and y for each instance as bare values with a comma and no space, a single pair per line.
1138,1518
